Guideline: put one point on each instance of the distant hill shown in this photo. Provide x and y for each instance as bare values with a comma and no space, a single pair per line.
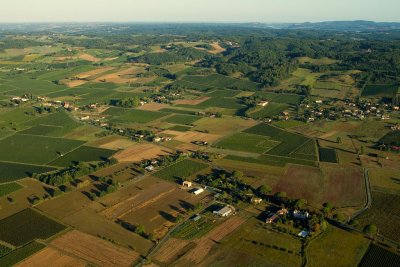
357,25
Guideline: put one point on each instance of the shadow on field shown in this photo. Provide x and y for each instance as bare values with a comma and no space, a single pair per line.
167,216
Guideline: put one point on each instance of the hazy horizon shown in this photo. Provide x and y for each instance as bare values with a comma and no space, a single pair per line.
213,11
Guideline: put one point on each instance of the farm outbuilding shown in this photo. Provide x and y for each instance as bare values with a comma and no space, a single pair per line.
224,212
198,191
187,184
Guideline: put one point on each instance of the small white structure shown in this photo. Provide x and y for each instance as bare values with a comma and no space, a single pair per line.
187,184
150,168
318,101
157,139
263,103
303,233
198,191
224,212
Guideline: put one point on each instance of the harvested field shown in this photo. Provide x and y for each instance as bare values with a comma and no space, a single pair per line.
90,58
73,83
49,257
140,152
153,106
91,222
112,142
95,250
204,245
192,102
125,76
171,250
88,74
188,137
223,126
153,204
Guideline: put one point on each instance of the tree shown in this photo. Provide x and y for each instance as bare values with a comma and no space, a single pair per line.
371,229
327,207
264,190
139,229
299,203
280,195
339,140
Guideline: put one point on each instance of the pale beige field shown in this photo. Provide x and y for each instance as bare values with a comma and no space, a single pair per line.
139,152
95,250
189,137
87,74
153,106
192,102
50,257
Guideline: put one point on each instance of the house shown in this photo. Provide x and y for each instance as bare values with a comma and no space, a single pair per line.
318,101
198,191
150,168
85,118
301,215
187,184
282,212
256,200
224,212
272,218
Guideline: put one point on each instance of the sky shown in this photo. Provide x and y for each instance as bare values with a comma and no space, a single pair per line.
197,10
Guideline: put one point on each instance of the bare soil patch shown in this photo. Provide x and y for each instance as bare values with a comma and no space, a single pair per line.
217,48
112,142
140,152
95,250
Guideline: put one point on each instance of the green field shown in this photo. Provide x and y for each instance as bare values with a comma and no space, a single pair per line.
14,171
380,90
182,119
325,251
270,111
20,254
8,188
379,256
180,128
83,153
289,99
384,213
292,145
247,142
54,125
193,229
392,138
121,115
4,251
328,155
33,149
217,81
256,244
178,111
181,170
26,226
